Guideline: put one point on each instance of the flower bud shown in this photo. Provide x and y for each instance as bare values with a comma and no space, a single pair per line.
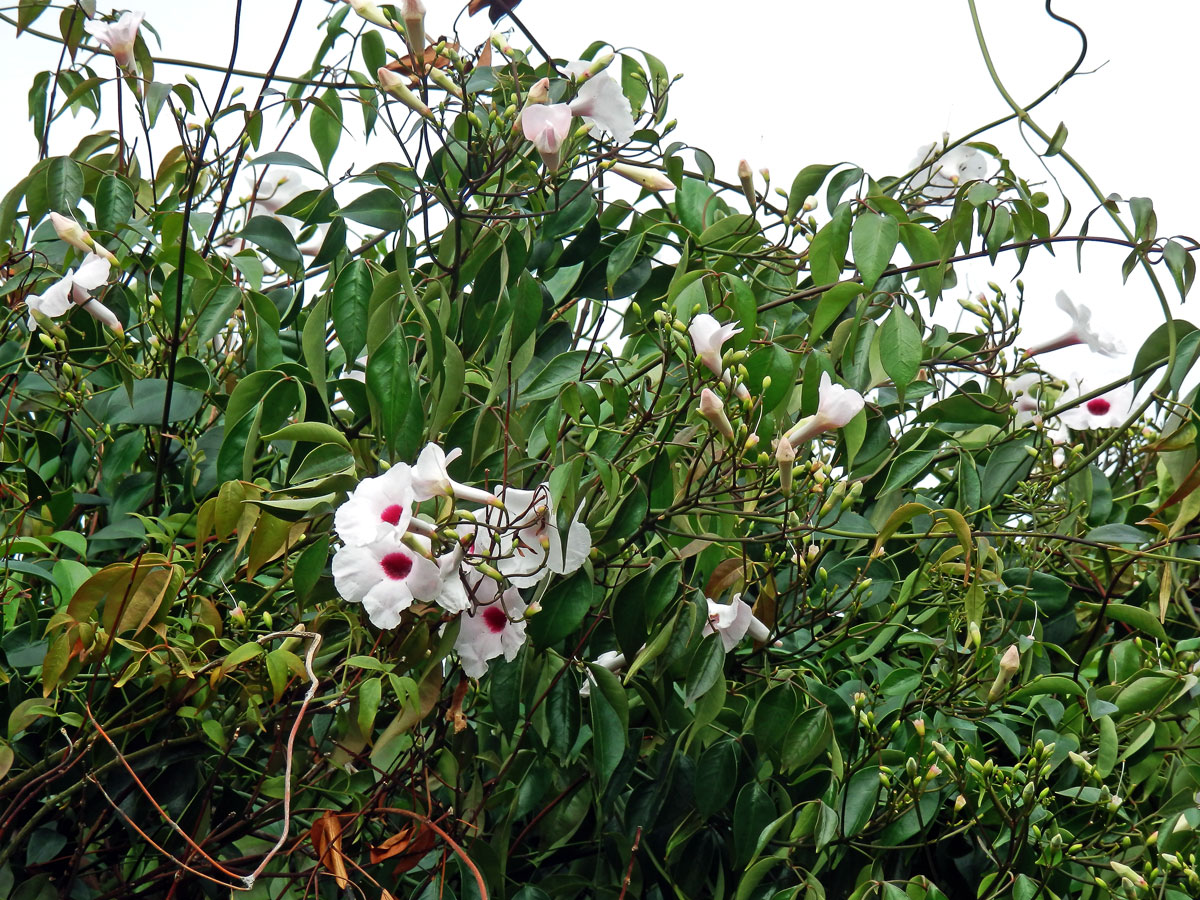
919,727
785,456
413,13
713,409
650,179
746,177
599,64
394,84
539,92
1010,662
446,83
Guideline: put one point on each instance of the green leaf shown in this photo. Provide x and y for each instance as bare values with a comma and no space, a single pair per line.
274,238
907,466
1135,616
874,239
563,610
284,158
610,734
1008,464
900,348
716,776
1048,684
704,669
114,203
379,208
325,126
309,432
145,407
827,252
1057,140
389,383
753,812
562,370
351,303
805,185
1117,533
808,736
860,795
832,304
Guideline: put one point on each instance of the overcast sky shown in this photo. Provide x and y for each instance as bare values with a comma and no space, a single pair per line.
786,83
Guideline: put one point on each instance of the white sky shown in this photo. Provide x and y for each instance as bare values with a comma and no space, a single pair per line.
786,83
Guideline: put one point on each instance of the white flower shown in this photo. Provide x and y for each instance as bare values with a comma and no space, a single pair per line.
1081,332
385,577
836,406
514,537
650,179
547,128
613,660
942,175
492,629
713,409
119,37
1109,410
77,288
732,621
367,9
522,541
71,232
430,478
565,558
379,508
601,104
452,593
708,337
581,70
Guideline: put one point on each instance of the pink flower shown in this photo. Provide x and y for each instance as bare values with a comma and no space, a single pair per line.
733,621
836,406
119,37
385,577
603,106
378,509
77,288
497,627
547,128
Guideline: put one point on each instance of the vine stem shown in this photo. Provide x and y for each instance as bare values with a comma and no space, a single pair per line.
1026,119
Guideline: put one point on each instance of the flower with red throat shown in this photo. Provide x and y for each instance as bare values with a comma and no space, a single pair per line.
1109,410
385,576
495,628
378,508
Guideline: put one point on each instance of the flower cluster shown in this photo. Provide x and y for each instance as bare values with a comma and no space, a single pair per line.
599,102
471,562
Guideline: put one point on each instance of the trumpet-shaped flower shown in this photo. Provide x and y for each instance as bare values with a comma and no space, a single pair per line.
430,478
613,660
943,174
1080,332
733,621
1026,404
713,409
522,541
493,629
836,406
385,577
650,179
708,337
76,288
378,509
119,37
603,106
547,126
